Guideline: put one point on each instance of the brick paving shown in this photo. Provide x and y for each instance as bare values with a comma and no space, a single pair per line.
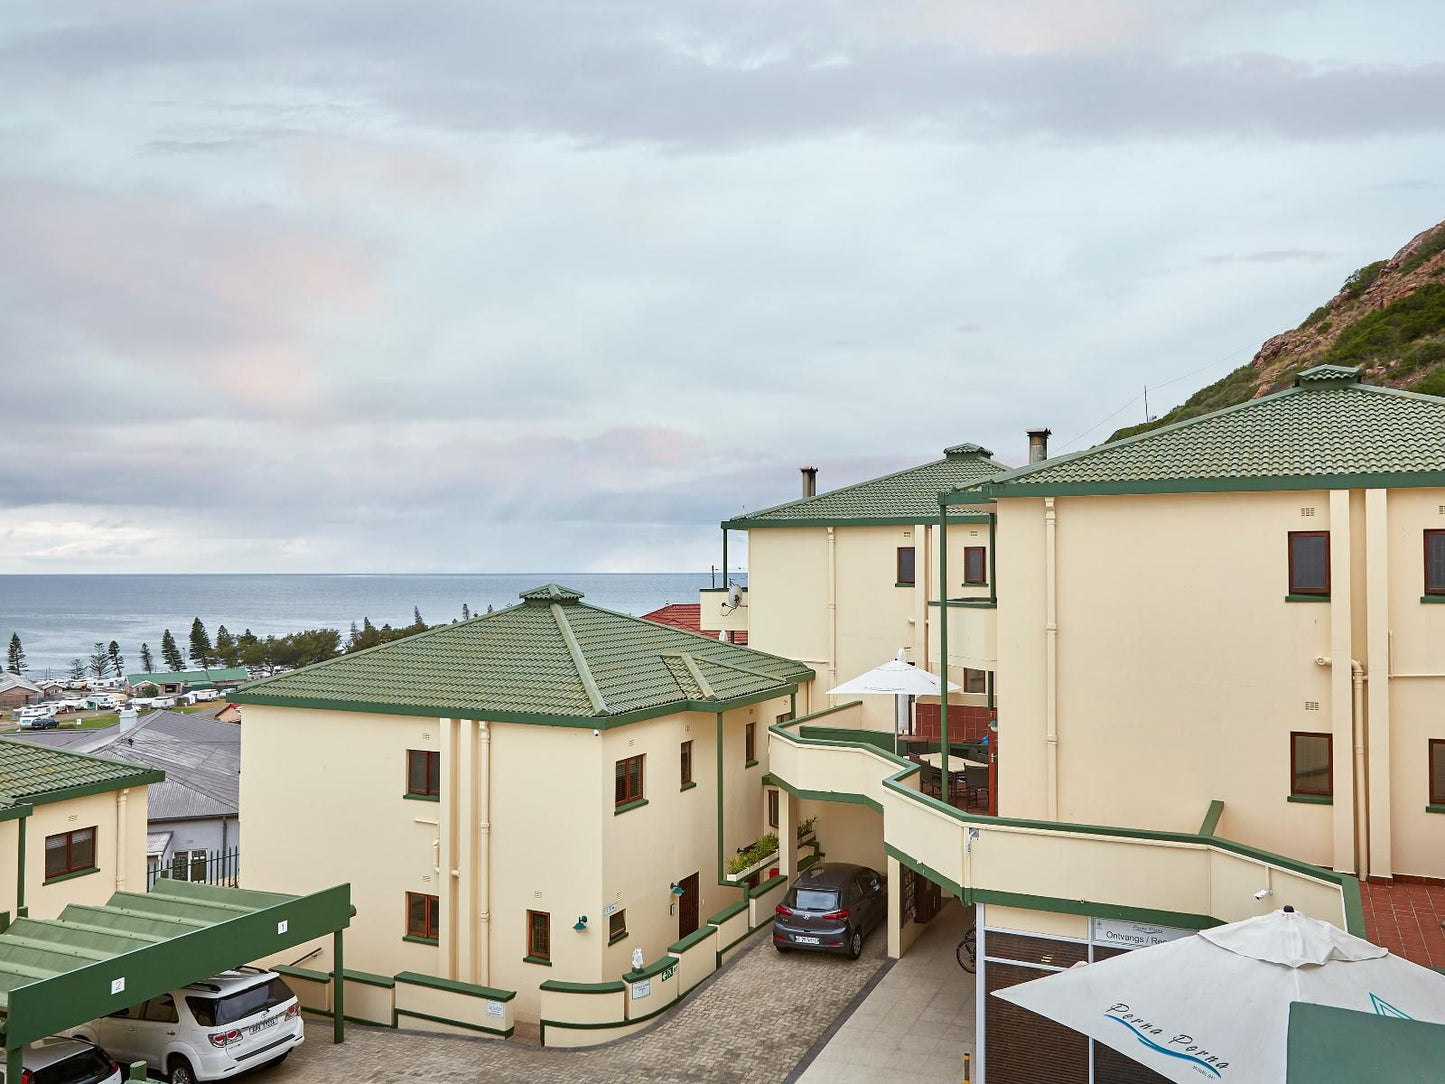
752,1023
1406,919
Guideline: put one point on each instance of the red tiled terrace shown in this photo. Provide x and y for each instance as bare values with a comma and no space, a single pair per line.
1406,919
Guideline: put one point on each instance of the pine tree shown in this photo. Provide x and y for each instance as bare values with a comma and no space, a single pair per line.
77,669
117,660
15,656
170,653
147,661
201,651
225,646
99,661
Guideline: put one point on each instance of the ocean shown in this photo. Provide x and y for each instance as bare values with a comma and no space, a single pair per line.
59,618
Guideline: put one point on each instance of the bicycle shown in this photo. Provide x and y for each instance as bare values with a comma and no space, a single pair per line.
967,950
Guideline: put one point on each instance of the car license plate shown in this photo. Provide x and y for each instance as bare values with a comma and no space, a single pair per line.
806,940
269,1022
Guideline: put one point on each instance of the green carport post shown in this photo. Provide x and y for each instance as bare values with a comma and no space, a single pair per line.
338,984
14,1063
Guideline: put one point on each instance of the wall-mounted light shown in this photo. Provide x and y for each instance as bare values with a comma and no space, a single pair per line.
580,924
677,889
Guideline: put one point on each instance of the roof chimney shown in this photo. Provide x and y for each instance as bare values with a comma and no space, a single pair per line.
1039,445
128,719
810,481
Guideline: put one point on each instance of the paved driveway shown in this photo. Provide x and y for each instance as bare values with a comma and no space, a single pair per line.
753,1022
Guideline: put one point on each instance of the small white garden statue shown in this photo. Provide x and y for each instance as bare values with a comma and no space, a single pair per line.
637,959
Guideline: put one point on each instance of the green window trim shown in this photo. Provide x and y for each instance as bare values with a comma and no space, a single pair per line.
536,960
900,583
1306,598
415,940
423,797
1433,598
1313,799
70,876
688,785
628,806
620,937
1435,809
750,764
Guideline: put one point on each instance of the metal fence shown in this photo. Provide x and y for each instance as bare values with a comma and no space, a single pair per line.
203,867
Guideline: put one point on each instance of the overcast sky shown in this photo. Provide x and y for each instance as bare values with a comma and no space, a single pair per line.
348,285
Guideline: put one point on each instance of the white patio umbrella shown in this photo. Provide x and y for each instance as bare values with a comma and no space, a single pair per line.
1215,1006
898,678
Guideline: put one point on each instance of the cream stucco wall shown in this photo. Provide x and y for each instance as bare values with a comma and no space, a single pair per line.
788,590
119,819
1182,669
552,841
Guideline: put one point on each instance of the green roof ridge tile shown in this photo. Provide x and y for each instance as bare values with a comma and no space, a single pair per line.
1329,426
903,496
542,661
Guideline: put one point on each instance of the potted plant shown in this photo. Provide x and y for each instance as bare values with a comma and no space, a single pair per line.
753,857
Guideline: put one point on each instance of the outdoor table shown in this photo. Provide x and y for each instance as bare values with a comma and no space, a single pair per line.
936,760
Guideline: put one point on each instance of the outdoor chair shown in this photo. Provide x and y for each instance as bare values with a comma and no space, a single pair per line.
975,781
931,780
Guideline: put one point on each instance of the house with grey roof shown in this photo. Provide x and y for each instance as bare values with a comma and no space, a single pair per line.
194,813
18,691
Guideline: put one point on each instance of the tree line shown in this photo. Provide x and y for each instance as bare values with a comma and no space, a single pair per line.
287,652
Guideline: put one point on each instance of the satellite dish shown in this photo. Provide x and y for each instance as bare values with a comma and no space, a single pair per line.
735,595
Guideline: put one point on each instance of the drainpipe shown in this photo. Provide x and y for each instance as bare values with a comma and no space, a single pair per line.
1357,737
832,611
120,838
21,910
943,643
482,944
1051,657
993,558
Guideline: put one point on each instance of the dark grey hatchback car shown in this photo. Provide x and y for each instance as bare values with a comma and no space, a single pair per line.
831,908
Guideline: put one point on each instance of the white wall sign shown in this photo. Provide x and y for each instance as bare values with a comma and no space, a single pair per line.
117,986
609,908
641,989
494,1009
1131,935
282,926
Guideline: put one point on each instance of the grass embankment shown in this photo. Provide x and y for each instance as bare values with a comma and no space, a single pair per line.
101,720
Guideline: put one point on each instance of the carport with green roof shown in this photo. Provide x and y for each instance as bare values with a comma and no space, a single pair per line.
92,961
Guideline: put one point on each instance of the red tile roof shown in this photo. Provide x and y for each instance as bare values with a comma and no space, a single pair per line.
687,616
1406,919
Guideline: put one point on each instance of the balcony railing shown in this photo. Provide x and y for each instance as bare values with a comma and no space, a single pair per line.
1196,877
201,867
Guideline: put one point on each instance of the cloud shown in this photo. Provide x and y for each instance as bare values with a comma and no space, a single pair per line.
1273,255
692,80
214,306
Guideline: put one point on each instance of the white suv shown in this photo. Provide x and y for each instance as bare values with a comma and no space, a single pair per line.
65,1061
209,1030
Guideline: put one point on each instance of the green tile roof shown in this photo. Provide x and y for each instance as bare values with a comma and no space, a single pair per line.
33,774
550,659
215,673
907,496
1328,432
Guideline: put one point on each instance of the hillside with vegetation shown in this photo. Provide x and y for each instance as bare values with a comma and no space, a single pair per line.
1388,317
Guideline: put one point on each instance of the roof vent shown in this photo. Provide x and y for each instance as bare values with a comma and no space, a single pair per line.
549,593
959,450
1326,376
1039,444
810,481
